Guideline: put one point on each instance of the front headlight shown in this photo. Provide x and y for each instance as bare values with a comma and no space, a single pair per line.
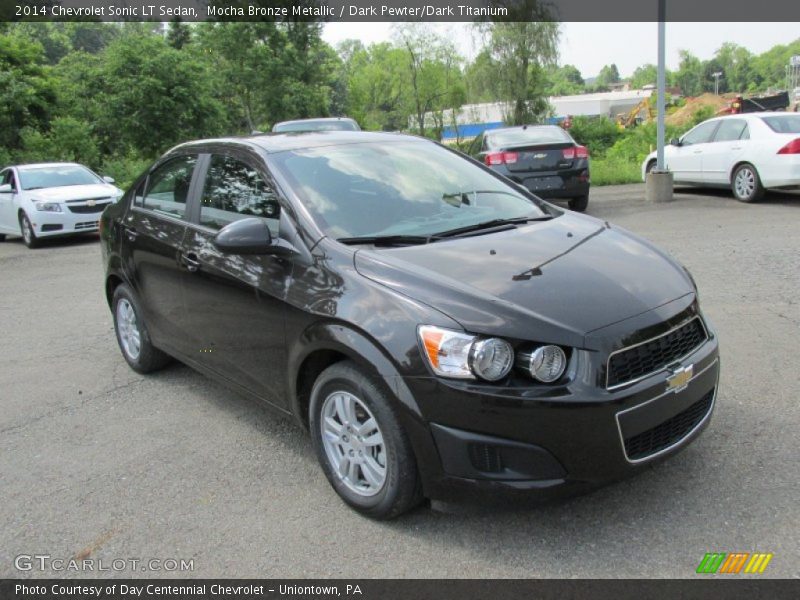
462,356
48,207
545,363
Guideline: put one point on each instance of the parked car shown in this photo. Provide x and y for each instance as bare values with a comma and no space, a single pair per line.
326,124
542,158
439,331
52,199
748,153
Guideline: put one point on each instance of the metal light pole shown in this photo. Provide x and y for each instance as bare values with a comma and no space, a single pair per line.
661,84
716,77
659,181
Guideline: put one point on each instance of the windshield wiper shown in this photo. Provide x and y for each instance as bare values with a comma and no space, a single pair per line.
388,240
494,224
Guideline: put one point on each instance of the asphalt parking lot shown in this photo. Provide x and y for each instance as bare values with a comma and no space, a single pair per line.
98,461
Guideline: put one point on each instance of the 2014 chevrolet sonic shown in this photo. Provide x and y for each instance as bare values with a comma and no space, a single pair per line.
437,328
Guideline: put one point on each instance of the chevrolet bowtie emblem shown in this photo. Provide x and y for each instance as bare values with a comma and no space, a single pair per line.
680,378
539,155
90,203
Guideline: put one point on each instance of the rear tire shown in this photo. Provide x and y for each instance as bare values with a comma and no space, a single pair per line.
132,336
746,184
27,233
348,413
2,237
650,166
579,204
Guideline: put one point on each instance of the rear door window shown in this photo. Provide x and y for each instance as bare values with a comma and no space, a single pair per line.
731,130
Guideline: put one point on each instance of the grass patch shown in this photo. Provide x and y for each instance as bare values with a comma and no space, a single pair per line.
611,171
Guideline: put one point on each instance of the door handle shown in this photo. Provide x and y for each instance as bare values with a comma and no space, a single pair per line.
191,262
698,151
736,147
131,233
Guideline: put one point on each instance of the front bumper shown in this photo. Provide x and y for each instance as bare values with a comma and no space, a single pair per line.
48,224
564,440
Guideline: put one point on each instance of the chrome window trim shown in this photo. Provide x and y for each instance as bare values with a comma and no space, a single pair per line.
616,386
688,433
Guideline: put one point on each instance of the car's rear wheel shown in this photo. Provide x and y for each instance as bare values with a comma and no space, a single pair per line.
26,230
360,443
132,335
579,204
746,184
2,237
650,166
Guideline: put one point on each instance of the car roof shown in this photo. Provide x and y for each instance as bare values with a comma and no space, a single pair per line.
48,164
315,119
521,128
281,142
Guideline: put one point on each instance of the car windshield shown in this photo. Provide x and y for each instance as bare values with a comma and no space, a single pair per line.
530,135
783,123
343,125
47,177
409,188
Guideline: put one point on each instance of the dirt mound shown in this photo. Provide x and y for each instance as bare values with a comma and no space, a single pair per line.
683,116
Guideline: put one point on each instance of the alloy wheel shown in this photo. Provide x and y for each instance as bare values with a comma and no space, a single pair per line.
353,443
27,234
130,337
745,183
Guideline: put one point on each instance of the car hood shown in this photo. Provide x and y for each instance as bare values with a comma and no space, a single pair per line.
74,192
553,281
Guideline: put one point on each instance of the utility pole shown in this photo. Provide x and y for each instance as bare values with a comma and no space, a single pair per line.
716,77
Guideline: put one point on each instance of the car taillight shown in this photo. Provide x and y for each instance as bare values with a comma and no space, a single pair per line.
792,147
576,152
500,158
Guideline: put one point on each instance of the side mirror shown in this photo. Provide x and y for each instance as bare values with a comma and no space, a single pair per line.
246,236
250,236
108,179
6,188
674,142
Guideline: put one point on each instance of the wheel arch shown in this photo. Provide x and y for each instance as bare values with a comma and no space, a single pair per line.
325,344
113,281
738,164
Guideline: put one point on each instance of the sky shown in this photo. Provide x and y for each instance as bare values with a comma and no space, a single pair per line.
590,46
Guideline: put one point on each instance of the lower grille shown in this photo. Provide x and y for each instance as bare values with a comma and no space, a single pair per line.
86,209
87,225
669,432
486,458
51,227
630,364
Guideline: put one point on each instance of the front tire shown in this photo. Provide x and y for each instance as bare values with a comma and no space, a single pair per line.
132,336
27,233
360,444
746,184
579,204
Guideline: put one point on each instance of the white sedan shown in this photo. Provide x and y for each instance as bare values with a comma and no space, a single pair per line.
748,153
51,199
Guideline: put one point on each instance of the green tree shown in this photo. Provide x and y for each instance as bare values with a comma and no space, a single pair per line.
433,73
27,93
179,34
608,74
735,61
644,75
564,81
690,76
520,52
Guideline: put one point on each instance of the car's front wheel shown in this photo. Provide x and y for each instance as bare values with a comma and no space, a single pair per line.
26,230
746,184
360,443
132,335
